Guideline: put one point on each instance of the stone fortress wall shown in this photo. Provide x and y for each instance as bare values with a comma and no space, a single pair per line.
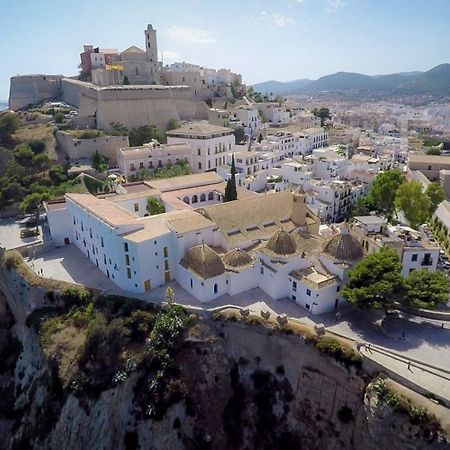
27,90
131,106
77,149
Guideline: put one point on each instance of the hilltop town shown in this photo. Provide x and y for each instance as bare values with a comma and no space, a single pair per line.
179,184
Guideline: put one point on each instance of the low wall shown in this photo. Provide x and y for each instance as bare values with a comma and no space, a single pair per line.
85,148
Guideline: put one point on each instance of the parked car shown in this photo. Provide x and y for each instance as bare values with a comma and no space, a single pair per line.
25,233
31,222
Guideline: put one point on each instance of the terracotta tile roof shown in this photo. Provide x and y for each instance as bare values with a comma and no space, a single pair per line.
108,212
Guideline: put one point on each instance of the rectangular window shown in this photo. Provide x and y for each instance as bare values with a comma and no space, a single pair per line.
200,165
128,272
294,298
166,265
102,241
127,260
294,286
338,288
414,257
136,207
166,252
262,270
308,292
125,246
199,152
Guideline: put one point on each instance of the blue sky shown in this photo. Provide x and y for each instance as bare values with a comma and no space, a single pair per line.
262,39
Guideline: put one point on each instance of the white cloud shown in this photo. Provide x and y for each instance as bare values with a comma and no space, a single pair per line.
278,19
333,5
191,35
168,54
282,21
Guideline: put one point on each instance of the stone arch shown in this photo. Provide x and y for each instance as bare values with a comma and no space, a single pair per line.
211,196
203,197
186,200
194,199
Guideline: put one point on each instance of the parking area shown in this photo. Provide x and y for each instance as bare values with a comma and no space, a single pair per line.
11,228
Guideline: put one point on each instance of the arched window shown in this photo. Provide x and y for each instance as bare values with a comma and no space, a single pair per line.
186,200
194,199
203,198
216,288
211,196
137,71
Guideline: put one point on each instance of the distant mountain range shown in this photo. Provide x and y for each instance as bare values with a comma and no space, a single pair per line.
434,81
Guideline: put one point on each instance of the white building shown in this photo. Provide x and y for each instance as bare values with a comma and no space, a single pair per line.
269,241
152,156
210,144
415,251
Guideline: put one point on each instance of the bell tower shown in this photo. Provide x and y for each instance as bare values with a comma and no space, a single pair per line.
151,47
298,214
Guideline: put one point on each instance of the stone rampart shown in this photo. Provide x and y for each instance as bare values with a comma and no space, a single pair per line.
85,148
28,90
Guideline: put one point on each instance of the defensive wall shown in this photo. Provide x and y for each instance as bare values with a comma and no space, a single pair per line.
76,148
27,90
132,106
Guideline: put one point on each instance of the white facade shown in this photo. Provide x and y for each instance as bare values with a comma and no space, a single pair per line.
210,144
152,156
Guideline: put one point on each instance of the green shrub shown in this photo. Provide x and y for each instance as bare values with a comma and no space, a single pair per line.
90,134
73,296
338,350
36,145
59,117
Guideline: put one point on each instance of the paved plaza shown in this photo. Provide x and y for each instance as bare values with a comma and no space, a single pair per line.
10,234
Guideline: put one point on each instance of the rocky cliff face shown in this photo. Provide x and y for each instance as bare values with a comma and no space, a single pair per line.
239,386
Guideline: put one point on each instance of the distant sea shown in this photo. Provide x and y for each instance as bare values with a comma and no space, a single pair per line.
3,105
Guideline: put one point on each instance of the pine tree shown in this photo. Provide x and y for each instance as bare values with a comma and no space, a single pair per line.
230,188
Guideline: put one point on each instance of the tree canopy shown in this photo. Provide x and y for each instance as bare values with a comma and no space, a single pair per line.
413,202
375,281
141,135
172,124
384,189
9,124
155,206
426,289
323,113
99,162
436,195
230,188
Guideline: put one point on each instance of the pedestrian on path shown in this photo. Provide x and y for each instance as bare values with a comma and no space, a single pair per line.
409,366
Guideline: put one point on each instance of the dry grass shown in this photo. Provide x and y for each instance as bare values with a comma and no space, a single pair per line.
39,131
298,329
65,346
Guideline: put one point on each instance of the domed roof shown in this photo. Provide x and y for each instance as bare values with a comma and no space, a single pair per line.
204,261
237,258
343,246
282,243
